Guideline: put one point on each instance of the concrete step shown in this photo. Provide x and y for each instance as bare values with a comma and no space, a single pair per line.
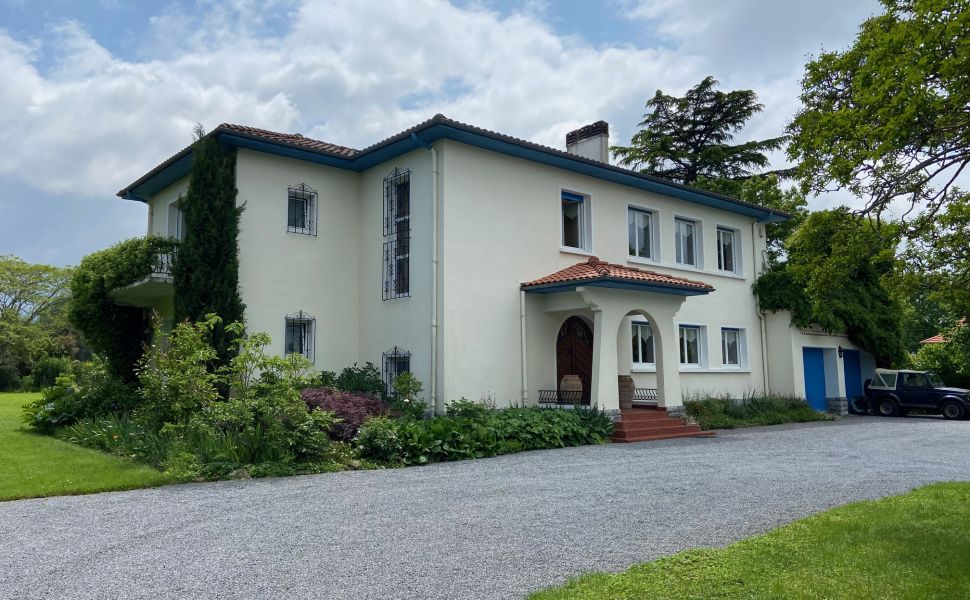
650,429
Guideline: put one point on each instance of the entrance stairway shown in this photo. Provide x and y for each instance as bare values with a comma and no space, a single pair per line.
645,424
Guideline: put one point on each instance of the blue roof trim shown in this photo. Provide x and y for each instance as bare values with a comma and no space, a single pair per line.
436,130
620,284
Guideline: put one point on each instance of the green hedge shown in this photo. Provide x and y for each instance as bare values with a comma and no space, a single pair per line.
725,412
117,333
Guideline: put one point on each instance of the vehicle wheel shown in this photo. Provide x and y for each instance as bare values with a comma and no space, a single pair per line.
858,406
887,407
953,410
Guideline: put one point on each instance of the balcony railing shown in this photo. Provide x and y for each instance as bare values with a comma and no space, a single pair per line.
640,396
162,263
645,395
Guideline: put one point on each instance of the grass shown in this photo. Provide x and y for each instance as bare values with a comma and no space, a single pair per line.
911,546
33,465
725,412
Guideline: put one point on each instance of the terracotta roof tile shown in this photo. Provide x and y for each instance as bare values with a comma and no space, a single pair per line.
595,268
293,139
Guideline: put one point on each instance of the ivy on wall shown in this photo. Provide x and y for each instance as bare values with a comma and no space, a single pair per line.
117,333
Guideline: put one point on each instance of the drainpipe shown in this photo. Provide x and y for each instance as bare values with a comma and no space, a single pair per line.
525,377
761,314
436,405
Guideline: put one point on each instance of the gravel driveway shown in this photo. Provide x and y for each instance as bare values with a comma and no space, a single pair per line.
494,528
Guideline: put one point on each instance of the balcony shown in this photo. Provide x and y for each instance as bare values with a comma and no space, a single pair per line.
156,290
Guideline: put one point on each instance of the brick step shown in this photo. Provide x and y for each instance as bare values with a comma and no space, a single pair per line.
651,421
654,431
662,436
656,428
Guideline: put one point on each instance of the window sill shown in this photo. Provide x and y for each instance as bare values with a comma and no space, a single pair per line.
571,250
684,369
642,261
684,268
643,368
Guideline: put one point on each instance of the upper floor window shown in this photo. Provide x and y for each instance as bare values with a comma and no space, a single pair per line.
685,241
176,222
640,232
301,209
691,345
575,221
732,343
298,334
643,350
397,233
727,250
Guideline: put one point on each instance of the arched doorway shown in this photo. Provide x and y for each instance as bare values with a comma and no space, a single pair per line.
574,354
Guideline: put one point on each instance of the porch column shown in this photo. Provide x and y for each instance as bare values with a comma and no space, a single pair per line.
624,347
604,392
668,364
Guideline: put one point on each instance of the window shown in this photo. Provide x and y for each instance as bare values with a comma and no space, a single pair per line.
727,250
639,234
396,362
176,222
298,337
916,381
575,221
643,352
732,347
690,345
397,233
301,209
685,241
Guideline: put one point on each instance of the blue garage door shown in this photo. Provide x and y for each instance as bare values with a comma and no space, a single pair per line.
814,377
853,373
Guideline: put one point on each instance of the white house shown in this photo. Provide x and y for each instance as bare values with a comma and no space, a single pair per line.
490,267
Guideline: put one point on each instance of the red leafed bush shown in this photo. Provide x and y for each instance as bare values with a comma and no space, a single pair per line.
352,408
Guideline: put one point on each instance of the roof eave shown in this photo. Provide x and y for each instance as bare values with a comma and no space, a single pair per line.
618,283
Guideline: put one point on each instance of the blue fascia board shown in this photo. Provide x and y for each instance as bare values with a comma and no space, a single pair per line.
175,171
620,284
438,131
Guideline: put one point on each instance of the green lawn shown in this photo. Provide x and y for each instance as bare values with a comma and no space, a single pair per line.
33,465
916,545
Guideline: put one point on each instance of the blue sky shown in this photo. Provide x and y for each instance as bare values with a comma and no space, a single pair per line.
96,93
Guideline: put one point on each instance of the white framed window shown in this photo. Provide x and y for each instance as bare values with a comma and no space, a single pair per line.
397,234
643,344
575,221
691,345
298,334
733,347
686,243
640,232
176,222
301,209
728,250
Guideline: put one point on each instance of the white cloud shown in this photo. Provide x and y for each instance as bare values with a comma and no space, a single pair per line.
89,122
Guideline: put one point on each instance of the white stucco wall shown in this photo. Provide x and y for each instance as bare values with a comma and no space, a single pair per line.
281,273
785,357
502,228
158,207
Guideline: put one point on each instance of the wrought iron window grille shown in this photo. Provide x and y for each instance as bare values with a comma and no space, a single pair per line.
298,334
396,361
301,209
397,225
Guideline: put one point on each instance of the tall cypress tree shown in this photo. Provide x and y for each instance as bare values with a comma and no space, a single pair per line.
206,271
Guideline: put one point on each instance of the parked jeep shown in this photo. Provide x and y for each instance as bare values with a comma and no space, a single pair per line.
897,392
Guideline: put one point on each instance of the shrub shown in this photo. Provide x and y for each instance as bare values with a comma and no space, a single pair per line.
9,377
405,401
726,412
47,370
87,390
473,431
351,408
365,379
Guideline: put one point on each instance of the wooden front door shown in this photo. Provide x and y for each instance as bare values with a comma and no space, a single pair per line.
574,353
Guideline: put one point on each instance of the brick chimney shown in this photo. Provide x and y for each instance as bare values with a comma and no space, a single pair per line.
591,141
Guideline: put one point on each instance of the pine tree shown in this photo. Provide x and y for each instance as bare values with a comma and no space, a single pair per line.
206,271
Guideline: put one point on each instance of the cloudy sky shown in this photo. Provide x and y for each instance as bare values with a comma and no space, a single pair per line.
96,93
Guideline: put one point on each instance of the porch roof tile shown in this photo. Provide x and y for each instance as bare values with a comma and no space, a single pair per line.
598,270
